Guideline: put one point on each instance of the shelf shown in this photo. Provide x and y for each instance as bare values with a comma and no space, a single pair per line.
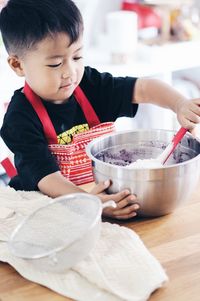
149,60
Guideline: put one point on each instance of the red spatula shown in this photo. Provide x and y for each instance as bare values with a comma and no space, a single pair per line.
162,158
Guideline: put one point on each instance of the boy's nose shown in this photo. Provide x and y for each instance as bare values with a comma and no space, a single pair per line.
68,70
65,75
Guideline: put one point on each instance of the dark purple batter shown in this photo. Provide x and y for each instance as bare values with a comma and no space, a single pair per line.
127,154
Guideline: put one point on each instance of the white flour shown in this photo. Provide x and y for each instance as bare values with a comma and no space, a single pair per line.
145,163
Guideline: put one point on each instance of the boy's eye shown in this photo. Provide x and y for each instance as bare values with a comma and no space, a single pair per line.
54,66
78,58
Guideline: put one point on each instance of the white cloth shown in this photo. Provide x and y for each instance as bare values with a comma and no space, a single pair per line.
119,267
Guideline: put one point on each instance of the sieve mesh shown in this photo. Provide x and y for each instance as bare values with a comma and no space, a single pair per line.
55,226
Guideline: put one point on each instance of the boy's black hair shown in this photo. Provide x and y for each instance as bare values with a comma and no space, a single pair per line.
24,23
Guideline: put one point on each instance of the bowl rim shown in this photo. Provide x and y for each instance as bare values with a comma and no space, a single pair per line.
93,158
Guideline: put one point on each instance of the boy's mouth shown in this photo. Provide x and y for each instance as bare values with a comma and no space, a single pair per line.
66,86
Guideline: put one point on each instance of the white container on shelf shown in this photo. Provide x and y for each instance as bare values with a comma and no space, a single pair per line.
122,33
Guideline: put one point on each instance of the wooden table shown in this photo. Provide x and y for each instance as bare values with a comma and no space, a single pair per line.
174,240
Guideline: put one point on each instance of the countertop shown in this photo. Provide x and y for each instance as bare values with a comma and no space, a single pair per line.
173,239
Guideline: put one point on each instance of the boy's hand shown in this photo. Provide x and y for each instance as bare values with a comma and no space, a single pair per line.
126,202
188,113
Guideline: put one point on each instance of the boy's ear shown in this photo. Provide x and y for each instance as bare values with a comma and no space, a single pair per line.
16,64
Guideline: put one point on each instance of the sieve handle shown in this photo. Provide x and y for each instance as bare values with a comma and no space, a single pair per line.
109,204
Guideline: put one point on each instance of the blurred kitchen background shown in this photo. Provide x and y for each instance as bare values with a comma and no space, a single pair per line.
157,38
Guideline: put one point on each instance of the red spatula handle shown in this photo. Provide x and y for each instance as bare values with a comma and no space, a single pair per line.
170,148
179,135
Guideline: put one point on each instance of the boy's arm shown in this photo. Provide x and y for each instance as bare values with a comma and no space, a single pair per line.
159,93
55,185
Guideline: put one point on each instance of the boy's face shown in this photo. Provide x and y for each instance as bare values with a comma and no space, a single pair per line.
54,68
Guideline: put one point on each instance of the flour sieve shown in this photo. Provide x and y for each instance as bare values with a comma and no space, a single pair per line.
58,235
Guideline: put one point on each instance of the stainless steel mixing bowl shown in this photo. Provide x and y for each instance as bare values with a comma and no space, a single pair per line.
159,190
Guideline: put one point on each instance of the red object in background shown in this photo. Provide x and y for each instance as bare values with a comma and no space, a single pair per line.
9,167
147,17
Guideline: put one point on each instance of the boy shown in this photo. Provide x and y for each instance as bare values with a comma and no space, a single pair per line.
44,44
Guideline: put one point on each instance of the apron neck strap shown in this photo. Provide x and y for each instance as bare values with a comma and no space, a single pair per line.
86,107
39,108
41,111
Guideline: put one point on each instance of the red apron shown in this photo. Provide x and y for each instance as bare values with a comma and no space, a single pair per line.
72,159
